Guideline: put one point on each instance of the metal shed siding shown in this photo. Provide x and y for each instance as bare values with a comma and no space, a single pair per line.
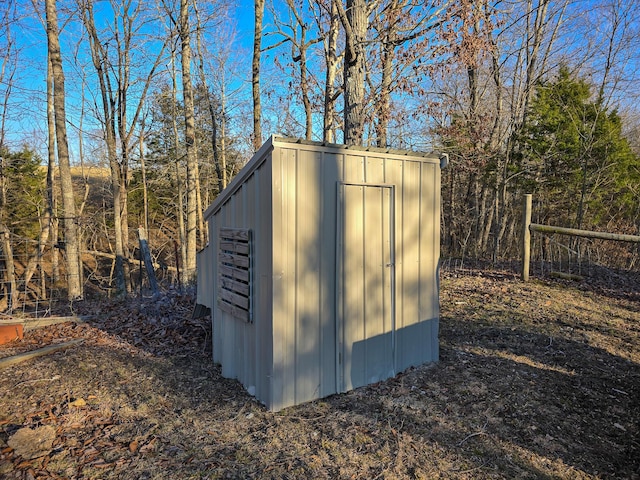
303,275
418,246
305,180
205,280
416,235
244,349
289,195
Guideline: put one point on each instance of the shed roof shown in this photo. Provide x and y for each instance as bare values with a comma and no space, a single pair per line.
260,156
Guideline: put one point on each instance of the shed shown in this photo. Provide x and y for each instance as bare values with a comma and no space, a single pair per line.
321,271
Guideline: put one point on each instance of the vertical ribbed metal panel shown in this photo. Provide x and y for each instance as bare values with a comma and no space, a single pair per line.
303,262
205,280
263,280
430,255
410,336
308,254
290,201
416,246
244,349
211,266
365,284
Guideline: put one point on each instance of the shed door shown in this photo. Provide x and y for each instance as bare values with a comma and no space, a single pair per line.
365,297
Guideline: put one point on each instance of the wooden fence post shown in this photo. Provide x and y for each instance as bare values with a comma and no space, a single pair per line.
526,237
146,256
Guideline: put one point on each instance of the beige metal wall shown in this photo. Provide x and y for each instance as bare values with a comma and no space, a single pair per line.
205,258
365,284
308,322
288,195
244,349
304,210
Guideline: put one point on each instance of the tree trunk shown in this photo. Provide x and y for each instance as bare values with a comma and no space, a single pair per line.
304,84
489,214
10,275
383,103
200,207
213,115
540,23
70,226
255,74
180,216
179,191
36,258
123,137
223,133
331,60
148,263
190,143
143,172
355,23
51,201
108,106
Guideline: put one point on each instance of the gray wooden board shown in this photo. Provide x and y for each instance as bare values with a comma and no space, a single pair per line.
235,260
234,233
233,298
233,310
235,273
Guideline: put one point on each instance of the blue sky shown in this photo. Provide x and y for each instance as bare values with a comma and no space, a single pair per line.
26,115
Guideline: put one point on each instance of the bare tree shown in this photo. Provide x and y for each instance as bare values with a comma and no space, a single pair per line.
218,159
255,74
7,72
296,30
8,66
332,61
402,25
48,222
68,201
190,140
9,285
114,84
178,176
355,21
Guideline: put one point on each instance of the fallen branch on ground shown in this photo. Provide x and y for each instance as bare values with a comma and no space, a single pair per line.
9,361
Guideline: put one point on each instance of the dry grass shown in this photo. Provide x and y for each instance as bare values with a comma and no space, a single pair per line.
538,380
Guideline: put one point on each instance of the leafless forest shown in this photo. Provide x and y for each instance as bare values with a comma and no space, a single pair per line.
119,114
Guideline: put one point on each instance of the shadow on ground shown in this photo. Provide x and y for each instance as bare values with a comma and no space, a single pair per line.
535,381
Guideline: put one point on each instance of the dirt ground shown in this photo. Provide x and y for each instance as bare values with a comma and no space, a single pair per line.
536,381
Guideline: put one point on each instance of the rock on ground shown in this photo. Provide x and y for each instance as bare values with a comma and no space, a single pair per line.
35,443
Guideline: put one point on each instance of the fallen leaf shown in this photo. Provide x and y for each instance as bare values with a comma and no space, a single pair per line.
100,464
133,446
80,402
148,447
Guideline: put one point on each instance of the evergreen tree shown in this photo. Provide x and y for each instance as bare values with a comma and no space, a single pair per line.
23,192
573,155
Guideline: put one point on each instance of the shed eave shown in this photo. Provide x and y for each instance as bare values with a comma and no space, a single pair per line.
288,141
282,141
240,178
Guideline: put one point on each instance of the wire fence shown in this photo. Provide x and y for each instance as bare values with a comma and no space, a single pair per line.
33,277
